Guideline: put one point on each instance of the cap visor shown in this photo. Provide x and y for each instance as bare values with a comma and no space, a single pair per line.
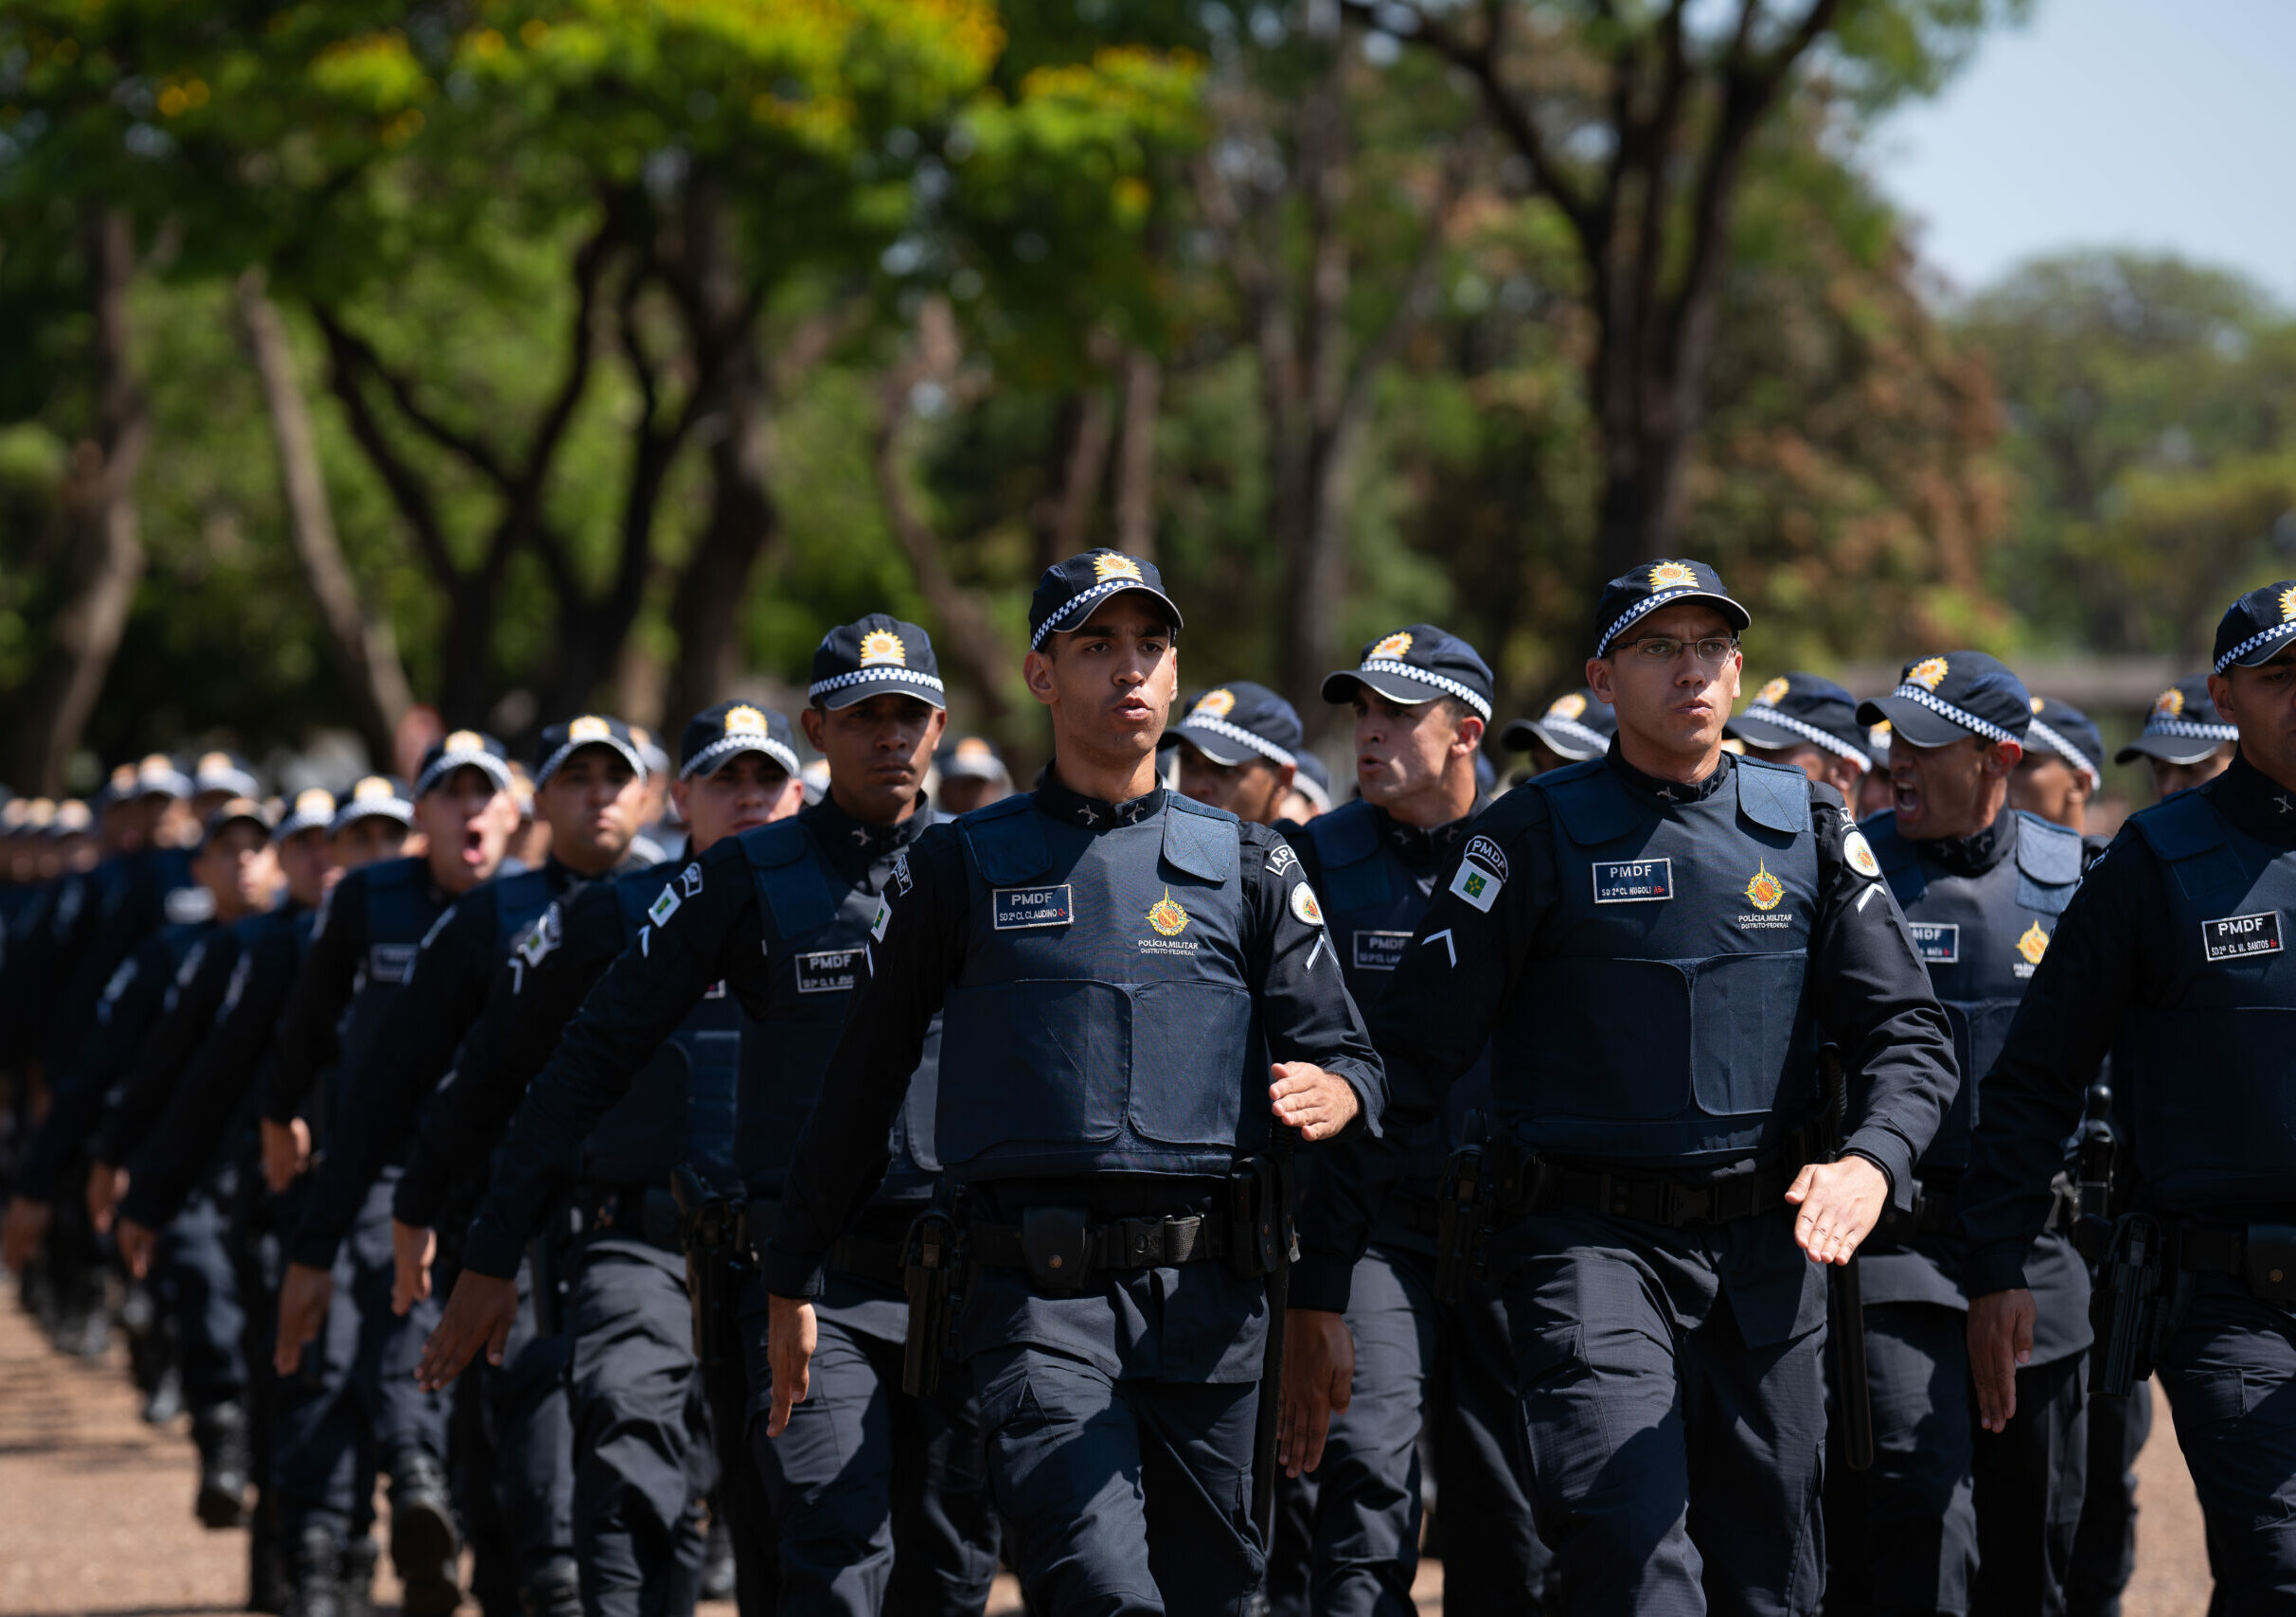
493,767
1079,611
1340,687
710,760
1910,721
892,684
1737,617
556,760
989,769
2169,749
1574,748
1218,749
2271,649
390,810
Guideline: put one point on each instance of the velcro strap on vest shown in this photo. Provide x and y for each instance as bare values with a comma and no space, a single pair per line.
1164,1242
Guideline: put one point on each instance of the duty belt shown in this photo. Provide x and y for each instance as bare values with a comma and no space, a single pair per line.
2264,1256
859,1255
638,1212
1153,1242
1937,1208
1654,1199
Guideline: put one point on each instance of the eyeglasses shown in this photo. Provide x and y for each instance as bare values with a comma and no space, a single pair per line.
1713,650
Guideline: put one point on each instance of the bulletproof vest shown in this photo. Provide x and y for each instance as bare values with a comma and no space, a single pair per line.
1103,1018
401,908
1664,1012
819,953
519,902
1372,901
2203,1057
680,1108
1980,936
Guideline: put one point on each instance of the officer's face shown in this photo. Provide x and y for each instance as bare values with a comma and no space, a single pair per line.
2046,785
307,860
962,794
1253,790
1110,684
1952,791
593,806
238,868
1673,710
2261,704
466,822
878,753
1826,768
1401,750
2170,778
367,839
744,791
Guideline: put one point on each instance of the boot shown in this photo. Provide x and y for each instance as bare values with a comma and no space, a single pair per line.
718,1575
315,1569
360,1559
220,1434
425,1543
553,1590
266,1572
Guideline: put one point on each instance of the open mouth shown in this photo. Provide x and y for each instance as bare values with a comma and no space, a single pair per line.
1905,799
473,847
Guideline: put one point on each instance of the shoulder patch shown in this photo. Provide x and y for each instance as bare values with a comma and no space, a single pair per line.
1305,906
689,880
881,920
1486,853
1281,858
1859,853
664,907
1477,885
901,878
543,937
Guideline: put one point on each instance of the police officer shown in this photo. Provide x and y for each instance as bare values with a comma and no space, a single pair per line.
1311,790
2173,958
972,774
589,793
640,1407
2186,740
1117,963
1238,750
1808,723
360,1395
2063,767
1953,1521
1653,947
1421,699
1576,725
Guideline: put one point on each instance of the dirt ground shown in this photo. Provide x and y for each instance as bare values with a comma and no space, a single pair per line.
95,1507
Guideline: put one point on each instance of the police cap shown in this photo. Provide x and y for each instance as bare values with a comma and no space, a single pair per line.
458,749
2060,728
561,741
2257,626
1415,665
1635,594
1238,721
1070,592
728,729
1943,699
1796,709
1576,725
2184,726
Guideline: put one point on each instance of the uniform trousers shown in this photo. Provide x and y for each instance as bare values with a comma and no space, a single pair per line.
643,1460
354,1406
1954,1518
1673,1468
527,1421
1129,1496
2105,1544
2230,1378
1349,1545
879,1500
196,1281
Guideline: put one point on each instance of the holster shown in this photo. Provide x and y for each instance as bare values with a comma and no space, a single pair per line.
546,1265
2138,1293
709,1226
1463,1213
932,1264
2096,1162
1259,1212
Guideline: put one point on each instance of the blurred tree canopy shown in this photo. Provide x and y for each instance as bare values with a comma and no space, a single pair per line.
519,357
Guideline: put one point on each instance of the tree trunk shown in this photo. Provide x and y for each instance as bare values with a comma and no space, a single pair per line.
102,523
359,640
1092,429
706,611
1136,456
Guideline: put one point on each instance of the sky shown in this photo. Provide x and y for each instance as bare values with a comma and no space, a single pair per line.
2165,125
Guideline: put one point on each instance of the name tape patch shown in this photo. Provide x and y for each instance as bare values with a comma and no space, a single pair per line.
1939,942
1380,951
2236,938
1633,881
831,970
1021,907
389,962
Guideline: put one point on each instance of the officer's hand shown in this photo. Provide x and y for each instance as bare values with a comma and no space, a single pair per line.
479,1314
304,1297
790,1333
1319,1380
1317,1103
412,1247
137,1242
1840,1203
21,1231
2001,1338
286,1152
106,1185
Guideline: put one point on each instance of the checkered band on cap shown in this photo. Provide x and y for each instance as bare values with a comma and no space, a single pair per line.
1586,736
2191,729
1641,610
1429,676
1084,599
1809,732
1960,716
739,742
881,673
1238,734
2066,749
2278,632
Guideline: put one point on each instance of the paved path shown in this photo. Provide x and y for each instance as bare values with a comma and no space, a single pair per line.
96,1507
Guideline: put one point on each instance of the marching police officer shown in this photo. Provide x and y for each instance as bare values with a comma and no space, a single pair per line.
972,773
639,1400
1116,965
359,1395
1653,947
1238,750
2186,740
2063,767
1808,723
1952,1520
2173,958
1421,698
1576,725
